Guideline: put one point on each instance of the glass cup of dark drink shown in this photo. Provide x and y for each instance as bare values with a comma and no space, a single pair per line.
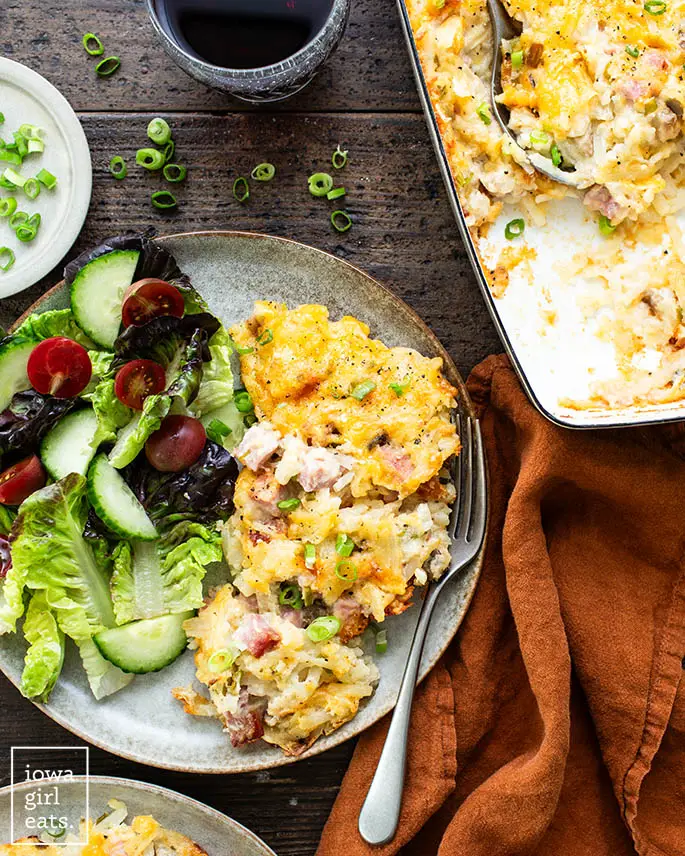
257,50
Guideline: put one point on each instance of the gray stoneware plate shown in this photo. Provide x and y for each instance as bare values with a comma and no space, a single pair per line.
213,831
143,722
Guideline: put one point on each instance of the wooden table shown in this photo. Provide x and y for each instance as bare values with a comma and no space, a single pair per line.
403,234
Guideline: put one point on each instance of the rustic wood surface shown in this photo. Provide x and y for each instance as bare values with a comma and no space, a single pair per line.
404,234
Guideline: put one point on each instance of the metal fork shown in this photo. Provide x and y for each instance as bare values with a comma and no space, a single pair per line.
380,814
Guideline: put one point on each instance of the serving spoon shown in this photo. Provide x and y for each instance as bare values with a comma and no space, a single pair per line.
504,27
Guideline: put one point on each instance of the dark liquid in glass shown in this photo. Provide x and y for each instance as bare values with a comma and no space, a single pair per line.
244,33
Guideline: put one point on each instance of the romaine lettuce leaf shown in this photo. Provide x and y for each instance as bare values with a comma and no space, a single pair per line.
12,598
216,388
111,413
132,437
104,677
54,322
45,655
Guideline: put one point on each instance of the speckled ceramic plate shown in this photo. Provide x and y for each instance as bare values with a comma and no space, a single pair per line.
143,722
213,831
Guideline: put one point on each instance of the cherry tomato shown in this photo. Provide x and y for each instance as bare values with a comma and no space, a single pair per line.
59,367
138,379
21,480
177,444
5,556
148,299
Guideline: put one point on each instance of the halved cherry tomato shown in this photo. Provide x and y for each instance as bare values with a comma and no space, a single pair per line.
148,299
5,556
138,379
21,480
177,444
59,367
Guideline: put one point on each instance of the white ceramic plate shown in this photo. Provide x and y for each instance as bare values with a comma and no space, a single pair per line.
143,722
213,831
26,97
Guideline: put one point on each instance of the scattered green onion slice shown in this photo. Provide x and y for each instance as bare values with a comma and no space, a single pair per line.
263,172
483,113
47,179
265,337
539,138
517,59
341,221
33,221
336,193
632,51
150,158
118,168
21,144
2,118
222,660
168,151
344,545
320,184
339,158
6,184
107,66
9,156
35,147
310,556
290,595
26,233
289,504
242,195
656,7
650,106
93,45
31,132
381,641
361,390
346,571
31,188
13,176
8,205
250,419
17,219
324,628
217,431
5,265
400,388
556,154
159,131
514,228
243,401
164,200
174,172
605,225
240,350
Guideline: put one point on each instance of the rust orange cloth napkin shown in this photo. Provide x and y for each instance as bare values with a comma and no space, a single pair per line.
555,723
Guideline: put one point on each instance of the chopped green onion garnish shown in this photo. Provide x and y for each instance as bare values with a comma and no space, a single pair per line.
118,168
361,390
539,138
241,189
9,156
47,179
265,337
6,184
35,147
514,228
339,158
21,144
159,131
517,59
222,660
8,205
93,45
556,154
656,7
243,401
239,350
344,545
632,51
168,151
250,419
341,221
310,556
289,504
150,158
336,193
31,188
17,219
320,184
650,106
290,595
483,113
324,628
381,641
6,264
174,172
107,66
33,221
13,176
31,132
26,233
605,226
263,172
217,431
163,199
346,571
400,388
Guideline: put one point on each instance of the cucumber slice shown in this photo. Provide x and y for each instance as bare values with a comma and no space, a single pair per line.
70,446
144,646
97,294
116,504
14,355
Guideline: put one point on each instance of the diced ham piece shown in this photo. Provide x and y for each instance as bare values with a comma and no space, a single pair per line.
265,494
633,89
398,459
322,468
656,60
246,724
599,199
257,635
258,445
294,616
353,621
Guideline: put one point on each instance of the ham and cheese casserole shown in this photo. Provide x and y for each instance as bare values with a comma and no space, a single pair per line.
341,509
109,835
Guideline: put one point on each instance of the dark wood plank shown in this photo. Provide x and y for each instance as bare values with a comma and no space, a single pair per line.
404,232
370,71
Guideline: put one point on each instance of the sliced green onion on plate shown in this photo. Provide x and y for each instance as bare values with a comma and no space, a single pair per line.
336,193
217,431
514,228
263,172
344,545
16,178
92,44
346,571
6,258
361,390
324,628
290,595
107,66
288,505
8,205
341,221
151,159
222,660
163,200
320,184
243,401
339,158
174,172
241,190
606,227
118,168
47,179
159,131
31,188
381,641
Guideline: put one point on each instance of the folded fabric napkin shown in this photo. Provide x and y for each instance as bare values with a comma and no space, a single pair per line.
554,725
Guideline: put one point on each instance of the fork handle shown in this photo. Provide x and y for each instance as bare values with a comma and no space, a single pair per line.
380,814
